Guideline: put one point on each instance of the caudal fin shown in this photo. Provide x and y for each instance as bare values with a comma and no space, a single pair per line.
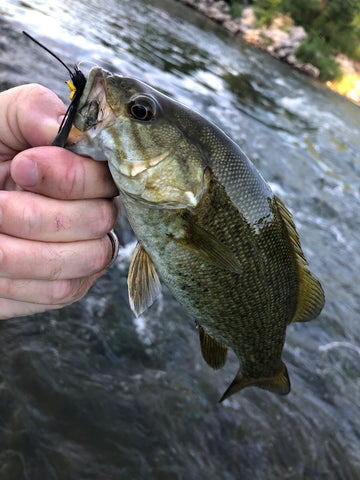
278,383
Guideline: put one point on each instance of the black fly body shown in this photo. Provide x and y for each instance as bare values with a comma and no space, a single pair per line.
78,80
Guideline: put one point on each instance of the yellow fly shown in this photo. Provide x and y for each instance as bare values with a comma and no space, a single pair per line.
72,89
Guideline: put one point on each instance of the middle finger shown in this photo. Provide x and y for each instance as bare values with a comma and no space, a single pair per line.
59,173
31,216
28,259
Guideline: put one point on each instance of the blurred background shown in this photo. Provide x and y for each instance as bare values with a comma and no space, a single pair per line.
89,392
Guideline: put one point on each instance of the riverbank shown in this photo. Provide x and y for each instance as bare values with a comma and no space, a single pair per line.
281,40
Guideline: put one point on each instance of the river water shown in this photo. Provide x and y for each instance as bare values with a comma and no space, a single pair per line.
88,392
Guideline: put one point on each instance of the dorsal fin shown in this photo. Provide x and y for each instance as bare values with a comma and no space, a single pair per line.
278,383
311,295
143,281
214,352
310,299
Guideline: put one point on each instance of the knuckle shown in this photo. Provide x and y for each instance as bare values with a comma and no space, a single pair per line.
31,218
34,94
105,217
59,292
73,182
22,94
65,292
102,255
7,288
53,261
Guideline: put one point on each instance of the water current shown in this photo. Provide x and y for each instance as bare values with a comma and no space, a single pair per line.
88,392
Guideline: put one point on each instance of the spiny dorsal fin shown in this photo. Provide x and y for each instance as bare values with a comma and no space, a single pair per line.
207,247
214,352
143,281
278,383
311,295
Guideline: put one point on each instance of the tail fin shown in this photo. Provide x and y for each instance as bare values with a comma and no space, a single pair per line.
278,383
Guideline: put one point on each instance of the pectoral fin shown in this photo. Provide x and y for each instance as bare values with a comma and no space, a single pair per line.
278,383
143,281
204,245
214,352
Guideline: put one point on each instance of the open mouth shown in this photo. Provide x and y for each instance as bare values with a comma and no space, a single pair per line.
94,112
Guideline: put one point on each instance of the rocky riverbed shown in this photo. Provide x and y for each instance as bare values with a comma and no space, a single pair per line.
281,40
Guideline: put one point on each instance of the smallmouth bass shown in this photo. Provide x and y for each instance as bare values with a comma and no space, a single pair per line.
206,222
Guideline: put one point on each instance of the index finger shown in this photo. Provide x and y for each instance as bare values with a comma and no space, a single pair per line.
29,117
59,173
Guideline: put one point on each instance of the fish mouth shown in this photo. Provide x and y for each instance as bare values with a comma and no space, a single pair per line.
135,170
94,112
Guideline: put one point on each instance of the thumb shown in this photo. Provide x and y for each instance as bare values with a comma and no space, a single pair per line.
29,117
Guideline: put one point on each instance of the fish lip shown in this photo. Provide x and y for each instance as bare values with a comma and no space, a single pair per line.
140,167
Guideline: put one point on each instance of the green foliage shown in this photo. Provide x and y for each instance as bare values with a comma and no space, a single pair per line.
332,25
354,38
339,25
316,51
265,11
235,9
303,13
336,21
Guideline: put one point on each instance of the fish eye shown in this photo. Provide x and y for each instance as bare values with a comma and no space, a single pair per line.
142,108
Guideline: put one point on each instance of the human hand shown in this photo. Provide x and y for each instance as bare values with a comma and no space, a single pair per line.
56,208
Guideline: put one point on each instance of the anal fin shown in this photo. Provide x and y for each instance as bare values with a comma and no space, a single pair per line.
143,281
213,352
278,383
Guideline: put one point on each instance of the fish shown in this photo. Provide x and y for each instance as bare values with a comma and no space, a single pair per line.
207,225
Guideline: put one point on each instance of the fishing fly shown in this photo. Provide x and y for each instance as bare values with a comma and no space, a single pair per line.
77,85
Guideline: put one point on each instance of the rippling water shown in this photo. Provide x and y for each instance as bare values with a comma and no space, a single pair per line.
87,392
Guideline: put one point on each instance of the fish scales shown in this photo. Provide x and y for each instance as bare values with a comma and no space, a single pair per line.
206,222
253,297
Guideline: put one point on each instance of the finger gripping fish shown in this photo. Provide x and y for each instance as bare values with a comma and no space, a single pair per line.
207,224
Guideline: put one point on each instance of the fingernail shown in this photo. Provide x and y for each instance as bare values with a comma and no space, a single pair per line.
26,172
60,119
